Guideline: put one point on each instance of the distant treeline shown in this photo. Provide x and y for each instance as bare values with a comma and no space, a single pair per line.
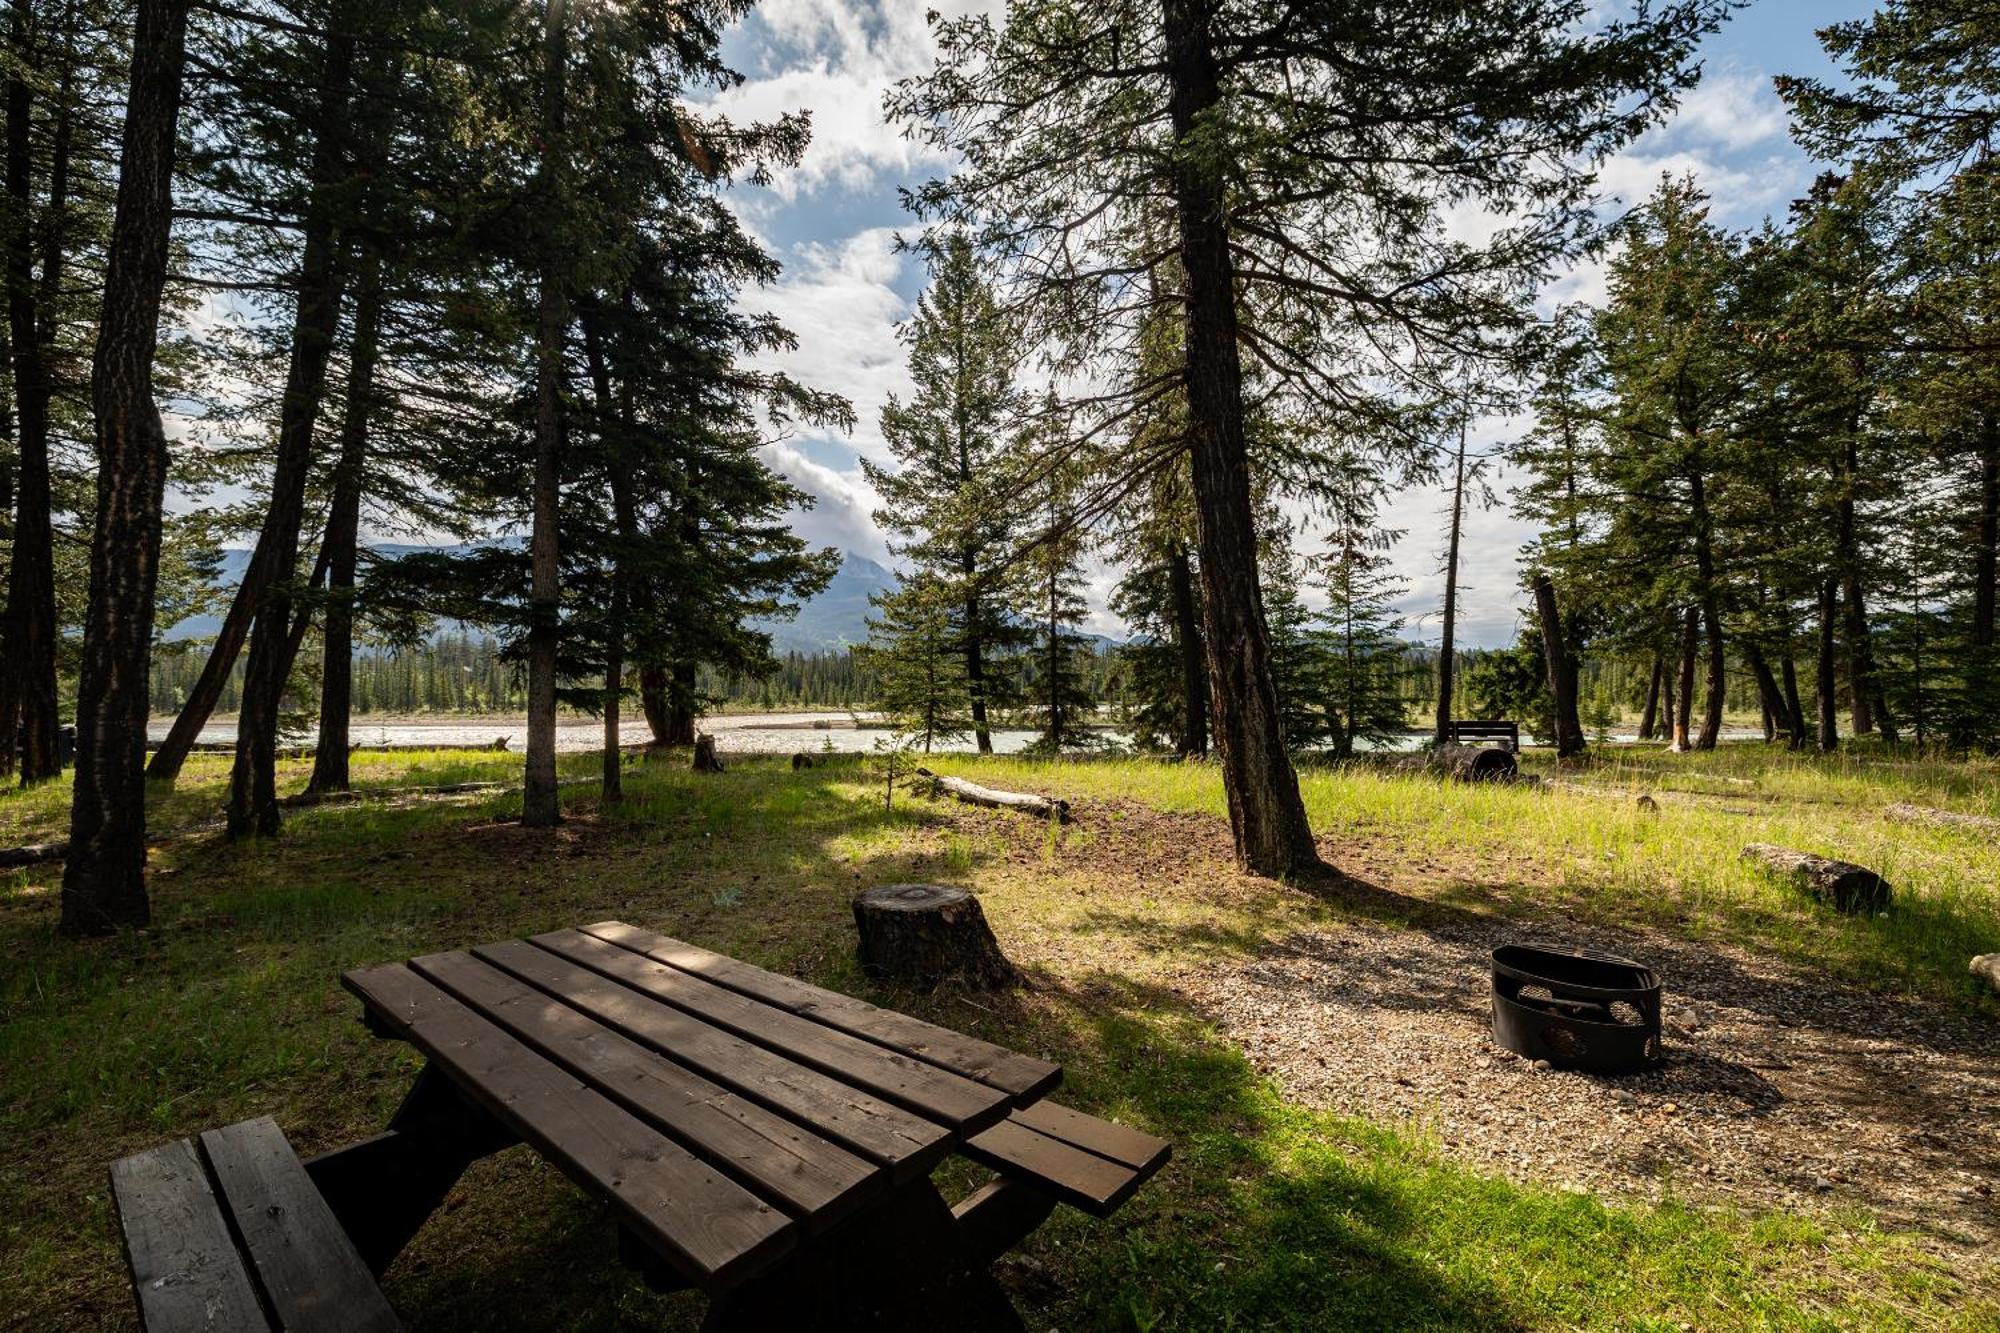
467,675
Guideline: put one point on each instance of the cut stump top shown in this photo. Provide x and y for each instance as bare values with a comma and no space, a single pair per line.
911,897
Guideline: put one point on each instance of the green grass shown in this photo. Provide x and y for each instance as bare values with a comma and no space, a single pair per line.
1270,1215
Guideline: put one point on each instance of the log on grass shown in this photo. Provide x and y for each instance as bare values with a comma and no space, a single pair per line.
705,758
1923,814
995,799
1842,885
925,935
34,853
1986,967
1465,763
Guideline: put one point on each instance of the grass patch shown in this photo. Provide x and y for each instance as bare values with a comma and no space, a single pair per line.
1270,1216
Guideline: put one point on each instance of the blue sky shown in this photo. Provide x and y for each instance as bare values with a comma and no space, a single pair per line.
833,219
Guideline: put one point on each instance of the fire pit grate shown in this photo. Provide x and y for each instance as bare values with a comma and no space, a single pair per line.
1595,1012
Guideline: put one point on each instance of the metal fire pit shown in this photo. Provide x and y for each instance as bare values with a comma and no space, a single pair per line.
1576,1009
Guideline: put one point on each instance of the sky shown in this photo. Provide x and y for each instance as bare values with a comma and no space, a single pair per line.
833,220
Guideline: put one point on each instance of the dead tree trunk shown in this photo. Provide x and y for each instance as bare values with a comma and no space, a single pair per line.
1795,712
1842,885
926,935
1449,628
995,799
104,879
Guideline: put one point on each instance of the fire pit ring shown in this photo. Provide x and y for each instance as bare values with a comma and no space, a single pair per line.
1594,1012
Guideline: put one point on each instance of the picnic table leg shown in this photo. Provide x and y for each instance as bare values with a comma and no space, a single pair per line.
904,1264
999,1216
383,1188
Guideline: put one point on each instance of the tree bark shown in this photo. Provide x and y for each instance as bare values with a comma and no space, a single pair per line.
253,794
653,702
1266,815
625,520
1193,740
1448,631
926,935
1684,707
104,880
1768,693
1561,679
1829,732
680,699
1986,549
1649,719
1795,712
540,799
340,549
30,648
207,690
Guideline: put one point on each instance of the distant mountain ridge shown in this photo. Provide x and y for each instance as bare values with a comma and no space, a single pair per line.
836,619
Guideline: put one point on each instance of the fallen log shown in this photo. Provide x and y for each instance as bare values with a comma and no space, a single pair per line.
1464,763
1986,967
34,853
1923,814
1844,886
995,799
927,934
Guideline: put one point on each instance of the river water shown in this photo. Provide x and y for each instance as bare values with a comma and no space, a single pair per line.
739,733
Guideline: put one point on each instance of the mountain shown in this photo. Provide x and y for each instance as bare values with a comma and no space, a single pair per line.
827,623
838,617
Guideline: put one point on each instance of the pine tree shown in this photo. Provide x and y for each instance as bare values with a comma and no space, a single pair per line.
1303,235
1364,663
919,662
941,501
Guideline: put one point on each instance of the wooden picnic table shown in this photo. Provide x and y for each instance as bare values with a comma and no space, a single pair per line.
765,1140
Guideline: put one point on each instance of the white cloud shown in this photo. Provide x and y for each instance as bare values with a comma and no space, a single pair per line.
1737,109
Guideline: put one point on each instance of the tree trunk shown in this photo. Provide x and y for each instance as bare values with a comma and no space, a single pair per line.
1829,733
207,690
653,702
253,794
926,935
1795,712
681,711
1717,682
104,880
1562,681
1266,814
340,549
1768,694
1861,688
540,800
1986,550
30,648
1193,740
1447,642
1649,719
1684,709
1669,670
975,677
625,521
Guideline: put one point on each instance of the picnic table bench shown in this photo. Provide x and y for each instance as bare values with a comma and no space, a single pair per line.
764,1140
1472,732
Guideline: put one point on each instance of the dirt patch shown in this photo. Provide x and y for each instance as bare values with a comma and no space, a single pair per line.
1777,1089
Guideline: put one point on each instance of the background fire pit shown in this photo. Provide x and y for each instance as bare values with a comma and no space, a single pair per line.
1576,1009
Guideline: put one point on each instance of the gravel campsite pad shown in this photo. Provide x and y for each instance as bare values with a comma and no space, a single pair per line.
1777,1089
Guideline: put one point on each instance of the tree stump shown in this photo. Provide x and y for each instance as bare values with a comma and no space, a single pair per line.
1844,886
705,758
801,760
927,934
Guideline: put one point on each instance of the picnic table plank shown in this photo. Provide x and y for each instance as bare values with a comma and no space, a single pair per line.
1121,1143
310,1271
1023,1077
186,1270
1081,1179
809,1177
706,1225
908,1144
931,1092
